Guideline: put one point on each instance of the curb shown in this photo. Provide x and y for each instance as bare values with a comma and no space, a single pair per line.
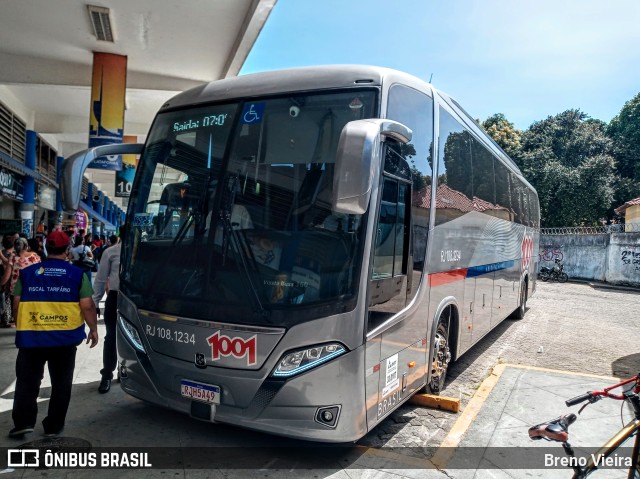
594,284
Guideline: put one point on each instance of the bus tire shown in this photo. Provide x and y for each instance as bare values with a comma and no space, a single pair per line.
522,306
441,358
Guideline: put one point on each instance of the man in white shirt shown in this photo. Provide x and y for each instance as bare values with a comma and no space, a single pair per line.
108,278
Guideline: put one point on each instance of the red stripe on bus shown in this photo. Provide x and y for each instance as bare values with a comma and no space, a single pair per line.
437,279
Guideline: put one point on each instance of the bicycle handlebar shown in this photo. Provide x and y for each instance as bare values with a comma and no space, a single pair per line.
593,396
578,399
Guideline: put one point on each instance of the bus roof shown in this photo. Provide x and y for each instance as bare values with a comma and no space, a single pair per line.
319,77
290,80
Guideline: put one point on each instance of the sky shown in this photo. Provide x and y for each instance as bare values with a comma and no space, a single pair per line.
525,59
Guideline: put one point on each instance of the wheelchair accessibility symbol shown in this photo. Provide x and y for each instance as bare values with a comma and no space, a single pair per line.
253,113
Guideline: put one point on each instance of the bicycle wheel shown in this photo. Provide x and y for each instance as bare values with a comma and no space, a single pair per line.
563,278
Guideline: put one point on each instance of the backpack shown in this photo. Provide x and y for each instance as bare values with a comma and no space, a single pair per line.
87,264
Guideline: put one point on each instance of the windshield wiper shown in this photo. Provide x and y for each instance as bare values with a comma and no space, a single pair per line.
232,235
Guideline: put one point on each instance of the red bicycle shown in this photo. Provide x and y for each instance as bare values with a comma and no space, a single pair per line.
558,430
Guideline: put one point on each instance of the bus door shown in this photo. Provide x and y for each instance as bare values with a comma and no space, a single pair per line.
402,349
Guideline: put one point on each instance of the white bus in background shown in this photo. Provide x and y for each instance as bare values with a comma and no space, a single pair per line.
308,248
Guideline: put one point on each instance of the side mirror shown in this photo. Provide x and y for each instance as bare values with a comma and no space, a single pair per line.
73,169
358,161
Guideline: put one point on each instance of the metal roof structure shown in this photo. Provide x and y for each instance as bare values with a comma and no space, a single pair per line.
46,53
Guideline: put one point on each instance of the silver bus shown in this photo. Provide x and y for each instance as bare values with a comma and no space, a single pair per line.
308,248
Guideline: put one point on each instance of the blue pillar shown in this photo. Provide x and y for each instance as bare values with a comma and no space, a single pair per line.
59,211
105,202
28,202
96,204
92,227
108,210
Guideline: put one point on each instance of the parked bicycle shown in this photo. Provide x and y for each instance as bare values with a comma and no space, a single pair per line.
558,430
555,273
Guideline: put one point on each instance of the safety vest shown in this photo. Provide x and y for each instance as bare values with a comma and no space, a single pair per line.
49,313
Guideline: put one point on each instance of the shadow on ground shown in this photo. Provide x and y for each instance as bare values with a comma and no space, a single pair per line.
626,366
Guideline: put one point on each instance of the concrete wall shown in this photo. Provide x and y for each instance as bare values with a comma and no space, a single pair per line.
624,259
612,257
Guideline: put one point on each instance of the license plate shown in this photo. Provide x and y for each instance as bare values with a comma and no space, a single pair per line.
200,392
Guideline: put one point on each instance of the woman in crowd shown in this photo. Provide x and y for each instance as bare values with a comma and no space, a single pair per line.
5,300
22,258
35,245
80,251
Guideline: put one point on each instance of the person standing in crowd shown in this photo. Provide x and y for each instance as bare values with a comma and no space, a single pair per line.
108,278
42,340
97,252
35,245
22,258
80,251
6,321
96,243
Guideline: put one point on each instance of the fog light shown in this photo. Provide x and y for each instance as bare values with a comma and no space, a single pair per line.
328,416
123,371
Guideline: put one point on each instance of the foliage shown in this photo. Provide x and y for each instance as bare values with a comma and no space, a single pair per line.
624,130
504,133
568,159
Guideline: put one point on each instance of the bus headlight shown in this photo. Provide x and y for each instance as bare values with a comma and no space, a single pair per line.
131,333
298,361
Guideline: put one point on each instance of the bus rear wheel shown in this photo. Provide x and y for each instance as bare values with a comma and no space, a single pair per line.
522,307
441,358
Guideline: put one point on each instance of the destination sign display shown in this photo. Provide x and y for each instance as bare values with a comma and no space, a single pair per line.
199,122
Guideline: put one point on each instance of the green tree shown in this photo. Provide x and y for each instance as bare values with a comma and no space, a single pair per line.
504,133
568,159
624,131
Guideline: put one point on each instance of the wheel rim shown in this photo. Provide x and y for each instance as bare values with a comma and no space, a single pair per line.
441,360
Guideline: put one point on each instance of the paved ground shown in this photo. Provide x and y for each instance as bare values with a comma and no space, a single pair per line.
572,327
495,443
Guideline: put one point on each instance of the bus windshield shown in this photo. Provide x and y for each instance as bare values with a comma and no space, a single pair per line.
230,217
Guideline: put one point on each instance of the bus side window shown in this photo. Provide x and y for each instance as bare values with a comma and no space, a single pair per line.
415,109
391,248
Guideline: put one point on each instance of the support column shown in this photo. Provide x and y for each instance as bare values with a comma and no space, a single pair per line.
95,225
29,197
96,204
59,210
103,205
